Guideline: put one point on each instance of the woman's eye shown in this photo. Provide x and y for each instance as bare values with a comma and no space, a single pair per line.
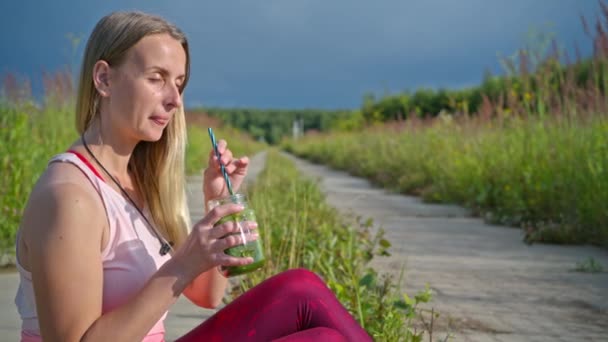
155,77
157,82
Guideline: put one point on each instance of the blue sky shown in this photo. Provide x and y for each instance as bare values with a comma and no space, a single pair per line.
305,53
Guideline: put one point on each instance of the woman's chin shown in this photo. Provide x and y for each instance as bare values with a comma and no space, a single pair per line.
151,136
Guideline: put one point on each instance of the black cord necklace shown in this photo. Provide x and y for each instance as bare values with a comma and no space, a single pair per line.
165,246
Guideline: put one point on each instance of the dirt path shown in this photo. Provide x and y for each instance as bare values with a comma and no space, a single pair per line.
488,285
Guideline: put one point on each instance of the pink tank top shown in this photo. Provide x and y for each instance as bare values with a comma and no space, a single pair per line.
130,258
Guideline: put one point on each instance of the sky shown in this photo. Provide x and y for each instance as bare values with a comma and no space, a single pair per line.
305,53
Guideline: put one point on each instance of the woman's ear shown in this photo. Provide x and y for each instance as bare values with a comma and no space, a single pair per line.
101,77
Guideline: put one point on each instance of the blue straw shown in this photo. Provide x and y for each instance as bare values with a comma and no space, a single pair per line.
217,154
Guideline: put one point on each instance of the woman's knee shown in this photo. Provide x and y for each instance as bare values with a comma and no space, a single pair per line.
301,281
295,283
299,275
314,334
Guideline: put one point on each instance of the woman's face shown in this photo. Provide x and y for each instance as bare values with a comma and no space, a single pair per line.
144,90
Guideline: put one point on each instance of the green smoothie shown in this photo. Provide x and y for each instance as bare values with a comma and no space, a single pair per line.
251,249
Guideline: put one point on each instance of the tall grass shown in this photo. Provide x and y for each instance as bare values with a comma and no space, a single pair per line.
199,145
29,136
300,230
548,176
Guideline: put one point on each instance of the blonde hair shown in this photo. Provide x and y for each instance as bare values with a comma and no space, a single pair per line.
158,167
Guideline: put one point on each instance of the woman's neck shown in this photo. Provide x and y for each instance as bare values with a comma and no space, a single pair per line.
111,150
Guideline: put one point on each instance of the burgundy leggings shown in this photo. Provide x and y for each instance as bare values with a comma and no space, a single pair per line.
295,305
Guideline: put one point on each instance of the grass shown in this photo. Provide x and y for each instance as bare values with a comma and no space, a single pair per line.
589,265
199,145
29,138
549,176
299,229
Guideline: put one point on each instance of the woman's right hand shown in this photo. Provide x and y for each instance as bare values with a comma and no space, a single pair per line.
204,248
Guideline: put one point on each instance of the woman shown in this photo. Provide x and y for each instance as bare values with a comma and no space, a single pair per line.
104,248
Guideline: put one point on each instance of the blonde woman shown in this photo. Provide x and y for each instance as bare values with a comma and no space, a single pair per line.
105,245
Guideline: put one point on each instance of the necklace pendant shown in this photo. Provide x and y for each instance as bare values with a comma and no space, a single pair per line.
165,248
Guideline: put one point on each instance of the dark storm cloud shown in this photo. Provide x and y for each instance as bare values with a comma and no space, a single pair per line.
280,53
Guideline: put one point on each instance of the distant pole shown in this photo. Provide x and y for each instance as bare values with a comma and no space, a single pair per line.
296,128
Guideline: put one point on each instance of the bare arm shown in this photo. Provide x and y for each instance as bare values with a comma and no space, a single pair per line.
207,290
208,286
63,228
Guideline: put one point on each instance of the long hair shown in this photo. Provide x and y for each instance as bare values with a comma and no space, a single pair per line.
158,167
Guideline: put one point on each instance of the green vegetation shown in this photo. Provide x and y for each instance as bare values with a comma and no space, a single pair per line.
199,145
272,125
29,138
506,92
300,230
540,80
30,135
551,177
589,265
533,154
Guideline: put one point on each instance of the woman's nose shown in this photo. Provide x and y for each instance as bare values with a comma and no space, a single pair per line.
173,96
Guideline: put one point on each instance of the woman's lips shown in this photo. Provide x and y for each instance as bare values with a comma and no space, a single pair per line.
159,120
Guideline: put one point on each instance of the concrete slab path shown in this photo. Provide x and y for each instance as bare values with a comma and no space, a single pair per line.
488,285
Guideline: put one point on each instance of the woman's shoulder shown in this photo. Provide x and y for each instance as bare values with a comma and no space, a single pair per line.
62,206
64,179
62,196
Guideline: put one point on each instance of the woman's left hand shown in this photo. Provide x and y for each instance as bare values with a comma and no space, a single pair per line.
214,185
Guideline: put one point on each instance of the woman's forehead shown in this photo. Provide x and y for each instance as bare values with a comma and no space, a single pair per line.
158,50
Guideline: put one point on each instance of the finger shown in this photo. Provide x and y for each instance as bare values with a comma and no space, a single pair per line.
230,168
232,227
226,157
212,162
211,154
220,211
227,260
236,240
221,146
247,226
238,166
251,224
241,162
220,230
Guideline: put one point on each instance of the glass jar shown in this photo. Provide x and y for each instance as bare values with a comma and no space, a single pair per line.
252,249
